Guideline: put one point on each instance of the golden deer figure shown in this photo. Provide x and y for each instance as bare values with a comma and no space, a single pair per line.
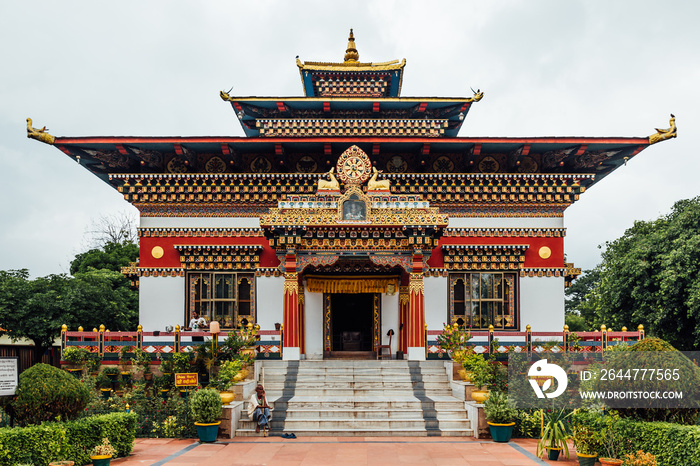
331,185
374,185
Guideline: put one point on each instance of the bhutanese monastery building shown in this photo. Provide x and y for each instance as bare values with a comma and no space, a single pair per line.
350,212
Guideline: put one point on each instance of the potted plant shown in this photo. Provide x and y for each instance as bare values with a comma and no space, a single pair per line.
640,459
93,364
166,366
124,360
162,385
611,441
225,379
586,441
554,434
104,384
76,359
181,363
142,359
205,409
481,377
102,454
500,416
111,372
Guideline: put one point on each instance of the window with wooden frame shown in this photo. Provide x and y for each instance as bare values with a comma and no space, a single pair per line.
227,297
478,300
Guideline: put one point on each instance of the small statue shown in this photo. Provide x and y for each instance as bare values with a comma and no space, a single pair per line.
663,134
374,185
225,96
331,185
39,134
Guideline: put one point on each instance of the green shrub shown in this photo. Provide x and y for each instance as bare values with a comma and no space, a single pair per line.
70,441
205,406
527,424
499,409
46,393
671,444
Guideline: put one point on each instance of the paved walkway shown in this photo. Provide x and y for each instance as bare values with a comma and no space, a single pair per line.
355,451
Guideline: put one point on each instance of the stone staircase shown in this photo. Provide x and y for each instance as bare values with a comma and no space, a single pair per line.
360,398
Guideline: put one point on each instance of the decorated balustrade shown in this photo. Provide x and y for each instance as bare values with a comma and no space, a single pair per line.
108,344
504,342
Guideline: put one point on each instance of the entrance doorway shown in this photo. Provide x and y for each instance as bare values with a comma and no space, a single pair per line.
351,324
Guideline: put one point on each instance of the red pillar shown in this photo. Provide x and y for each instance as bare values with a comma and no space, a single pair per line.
291,311
403,319
302,333
416,311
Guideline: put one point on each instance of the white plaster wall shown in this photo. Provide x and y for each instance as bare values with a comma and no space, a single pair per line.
161,302
313,322
435,302
390,320
507,222
542,303
269,297
200,222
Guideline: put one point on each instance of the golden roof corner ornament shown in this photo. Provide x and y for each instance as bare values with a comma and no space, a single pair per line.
478,95
225,96
663,134
374,185
331,185
351,54
39,134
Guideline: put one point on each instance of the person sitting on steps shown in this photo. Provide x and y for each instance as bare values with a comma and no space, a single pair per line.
259,410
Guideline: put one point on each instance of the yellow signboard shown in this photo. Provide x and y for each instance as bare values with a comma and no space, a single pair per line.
186,380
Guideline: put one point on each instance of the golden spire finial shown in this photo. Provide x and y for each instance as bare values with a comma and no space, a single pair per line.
351,52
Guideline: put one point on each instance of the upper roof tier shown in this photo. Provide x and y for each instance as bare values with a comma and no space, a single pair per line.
351,78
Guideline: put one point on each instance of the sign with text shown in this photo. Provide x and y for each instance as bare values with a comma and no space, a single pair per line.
188,379
9,375
617,379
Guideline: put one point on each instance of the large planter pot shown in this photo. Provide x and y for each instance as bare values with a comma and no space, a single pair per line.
466,376
164,393
553,453
501,432
207,432
610,462
113,377
480,396
101,460
247,351
62,463
148,376
586,460
75,372
227,397
106,392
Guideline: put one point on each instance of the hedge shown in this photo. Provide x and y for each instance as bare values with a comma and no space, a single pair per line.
70,441
672,444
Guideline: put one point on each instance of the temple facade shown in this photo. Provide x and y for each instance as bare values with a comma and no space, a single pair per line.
351,216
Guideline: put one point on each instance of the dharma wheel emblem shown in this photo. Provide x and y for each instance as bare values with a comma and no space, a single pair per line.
353,166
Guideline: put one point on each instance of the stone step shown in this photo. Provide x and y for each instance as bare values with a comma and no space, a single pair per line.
294,413
362,424
360,398
415,432
366,402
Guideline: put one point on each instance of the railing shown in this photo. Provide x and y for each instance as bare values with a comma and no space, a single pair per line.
108,344
503,342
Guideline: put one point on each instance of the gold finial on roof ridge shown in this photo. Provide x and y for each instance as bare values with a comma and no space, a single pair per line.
351,54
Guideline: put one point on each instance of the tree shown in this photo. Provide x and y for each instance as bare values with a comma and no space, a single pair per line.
579,312
110,256
649,276
115,228
32,309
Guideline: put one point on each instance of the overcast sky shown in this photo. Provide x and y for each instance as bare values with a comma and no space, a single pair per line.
548,68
